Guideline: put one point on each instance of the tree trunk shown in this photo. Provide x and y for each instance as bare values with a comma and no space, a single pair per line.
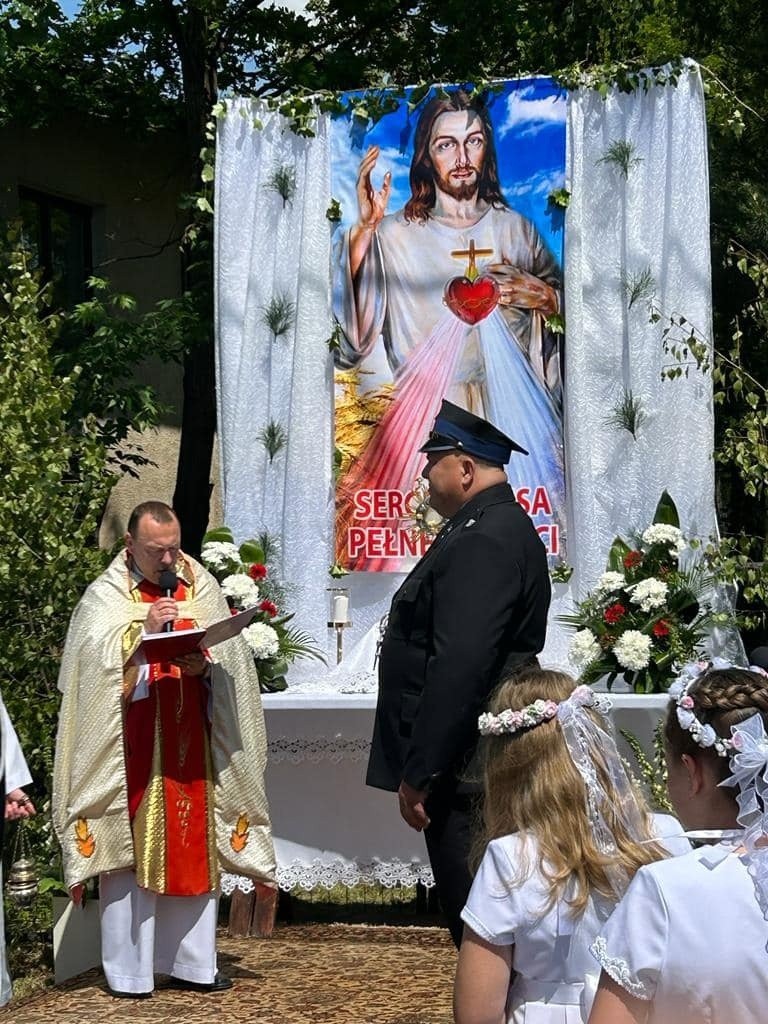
191,498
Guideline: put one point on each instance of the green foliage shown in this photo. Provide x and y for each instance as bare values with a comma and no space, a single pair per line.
555,323
622,155
653,770
278,315
559,197
637,285
54,470
283,181
626,413
333,213
274,438
337,571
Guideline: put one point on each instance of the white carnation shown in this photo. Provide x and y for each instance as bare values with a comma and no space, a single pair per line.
633,650
217,554
262,640
583,648
241,589
662,533
649,594
610,581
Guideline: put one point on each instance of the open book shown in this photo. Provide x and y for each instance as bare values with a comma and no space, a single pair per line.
155,647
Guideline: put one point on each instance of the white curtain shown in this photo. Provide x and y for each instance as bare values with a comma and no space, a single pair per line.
654,221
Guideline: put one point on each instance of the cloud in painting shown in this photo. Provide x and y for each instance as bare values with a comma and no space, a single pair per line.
345,165
528,112
540,184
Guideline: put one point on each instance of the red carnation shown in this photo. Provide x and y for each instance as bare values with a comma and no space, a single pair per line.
257,571
631,559
614,613
661,628
269,607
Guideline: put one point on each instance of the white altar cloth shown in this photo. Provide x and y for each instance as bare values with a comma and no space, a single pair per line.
330,827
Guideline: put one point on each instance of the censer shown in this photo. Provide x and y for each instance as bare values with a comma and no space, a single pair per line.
23,878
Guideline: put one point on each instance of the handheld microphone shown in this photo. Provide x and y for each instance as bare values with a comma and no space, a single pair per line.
168,582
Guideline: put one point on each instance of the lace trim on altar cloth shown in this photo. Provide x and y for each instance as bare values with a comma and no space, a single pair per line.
317,748
618,969
338,681
328,873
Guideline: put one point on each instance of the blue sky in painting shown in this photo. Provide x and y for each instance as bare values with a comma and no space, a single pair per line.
528,117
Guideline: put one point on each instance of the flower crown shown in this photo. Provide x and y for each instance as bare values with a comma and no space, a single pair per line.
703,735
508,722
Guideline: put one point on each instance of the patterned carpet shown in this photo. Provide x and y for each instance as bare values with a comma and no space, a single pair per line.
304,974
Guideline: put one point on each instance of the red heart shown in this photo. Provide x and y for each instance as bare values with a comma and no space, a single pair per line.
471,301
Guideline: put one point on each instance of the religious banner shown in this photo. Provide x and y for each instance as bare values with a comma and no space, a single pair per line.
447,283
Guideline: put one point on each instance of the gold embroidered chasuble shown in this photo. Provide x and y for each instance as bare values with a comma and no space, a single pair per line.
91,806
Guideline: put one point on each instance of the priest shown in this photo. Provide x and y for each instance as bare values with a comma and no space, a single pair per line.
158,774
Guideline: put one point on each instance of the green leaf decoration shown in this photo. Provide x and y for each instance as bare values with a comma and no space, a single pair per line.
278,315
283,181
666,511
251,552
333,213
627,414
619,549
221,535
337,571
559,197
274,438
622,154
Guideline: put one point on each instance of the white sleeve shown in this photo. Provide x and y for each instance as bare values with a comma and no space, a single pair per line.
14,766
493,909
632,946
670,834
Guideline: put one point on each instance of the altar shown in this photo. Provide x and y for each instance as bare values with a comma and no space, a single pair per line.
329,827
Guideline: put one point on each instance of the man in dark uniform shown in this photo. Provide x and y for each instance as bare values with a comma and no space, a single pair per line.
472,611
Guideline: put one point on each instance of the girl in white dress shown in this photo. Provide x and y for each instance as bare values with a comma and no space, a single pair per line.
687,944
563,833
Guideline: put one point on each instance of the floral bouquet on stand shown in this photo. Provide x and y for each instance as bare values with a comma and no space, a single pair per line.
646,613
246,580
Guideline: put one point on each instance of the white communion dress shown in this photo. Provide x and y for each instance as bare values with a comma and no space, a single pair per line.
554,976
689,936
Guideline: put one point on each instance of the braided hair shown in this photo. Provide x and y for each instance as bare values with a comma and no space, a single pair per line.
722,698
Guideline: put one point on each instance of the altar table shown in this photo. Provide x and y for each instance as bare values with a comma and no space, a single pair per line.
331,828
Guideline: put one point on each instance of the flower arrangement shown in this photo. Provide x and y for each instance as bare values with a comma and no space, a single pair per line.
246,580
645,614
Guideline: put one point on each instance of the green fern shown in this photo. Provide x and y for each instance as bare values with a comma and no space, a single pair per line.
638,285
274,438
627,413
278,315
623,155
283,181
295,643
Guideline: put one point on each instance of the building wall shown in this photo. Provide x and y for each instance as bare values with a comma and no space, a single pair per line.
131,186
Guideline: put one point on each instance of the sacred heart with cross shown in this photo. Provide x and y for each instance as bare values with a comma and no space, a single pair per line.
474,296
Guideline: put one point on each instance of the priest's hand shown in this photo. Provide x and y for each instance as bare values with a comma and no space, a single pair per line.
163,610
77,893
412,806
18,805
195,664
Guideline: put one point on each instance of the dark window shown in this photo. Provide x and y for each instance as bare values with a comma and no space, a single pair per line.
57,233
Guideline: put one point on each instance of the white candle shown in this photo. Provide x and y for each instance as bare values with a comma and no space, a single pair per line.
340,608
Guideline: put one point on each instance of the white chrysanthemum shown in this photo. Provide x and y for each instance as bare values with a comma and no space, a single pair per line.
583,648
217,554
649,594
662,533
633,650
610,581
262,640
241,589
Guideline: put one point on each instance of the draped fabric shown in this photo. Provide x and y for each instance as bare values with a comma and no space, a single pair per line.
651,224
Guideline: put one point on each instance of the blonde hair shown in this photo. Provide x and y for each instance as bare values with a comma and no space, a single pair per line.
532,786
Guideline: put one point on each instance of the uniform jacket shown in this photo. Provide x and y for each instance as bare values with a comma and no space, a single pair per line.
472,609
